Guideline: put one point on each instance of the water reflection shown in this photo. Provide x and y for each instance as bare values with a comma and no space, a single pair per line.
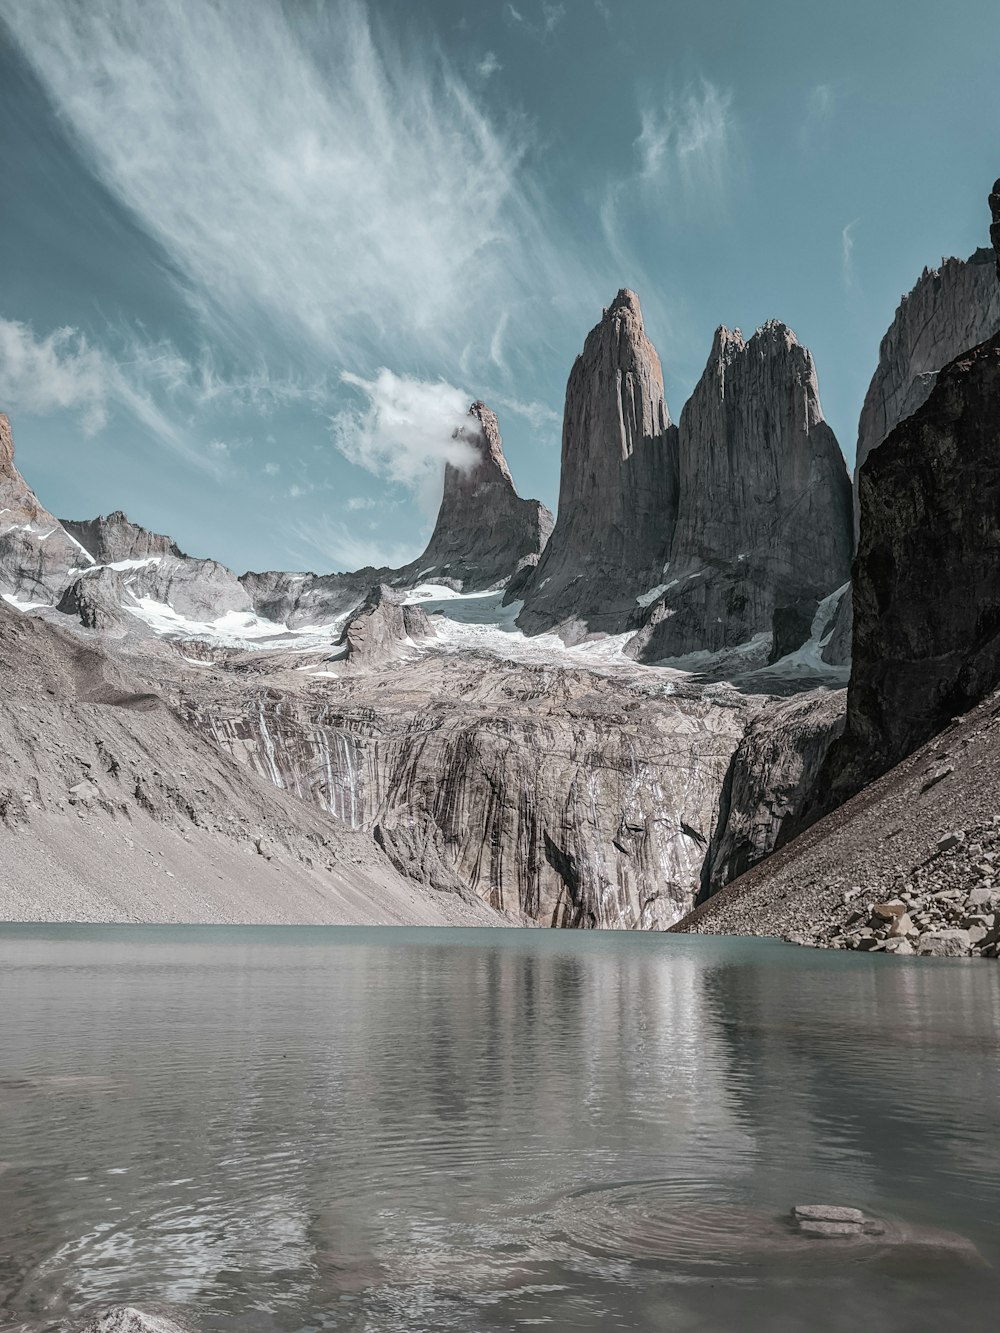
291,1129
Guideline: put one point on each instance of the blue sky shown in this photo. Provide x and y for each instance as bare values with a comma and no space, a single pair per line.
251,271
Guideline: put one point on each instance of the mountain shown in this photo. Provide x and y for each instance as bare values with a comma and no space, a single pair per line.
485,533
908,790
763,530
617,486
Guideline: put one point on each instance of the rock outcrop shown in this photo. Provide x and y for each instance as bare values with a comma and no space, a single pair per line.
485,532
994,202
382,626
617,488
763,529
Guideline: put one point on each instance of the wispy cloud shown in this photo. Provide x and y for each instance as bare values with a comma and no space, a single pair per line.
317,183
685,145
489,65
847,252
331,544
405,430
63,372
540,20
821,103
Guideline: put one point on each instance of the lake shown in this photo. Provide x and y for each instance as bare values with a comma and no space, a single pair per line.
381,1129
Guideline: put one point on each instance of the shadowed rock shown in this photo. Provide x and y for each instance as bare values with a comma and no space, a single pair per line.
617,487
995,225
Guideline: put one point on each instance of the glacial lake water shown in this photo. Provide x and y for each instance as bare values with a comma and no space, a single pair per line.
305,1129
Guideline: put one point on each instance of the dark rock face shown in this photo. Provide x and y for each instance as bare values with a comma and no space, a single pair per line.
763,529
950,309
484,532
995,225
382,626
770,778
618,485
927,576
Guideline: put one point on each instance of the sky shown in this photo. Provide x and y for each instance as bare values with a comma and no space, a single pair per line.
253,270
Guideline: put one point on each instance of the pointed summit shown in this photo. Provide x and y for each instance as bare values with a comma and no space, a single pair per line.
485,532
764,516
618,484
995,226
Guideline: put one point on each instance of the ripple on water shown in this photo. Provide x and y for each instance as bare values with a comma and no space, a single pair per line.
673,1222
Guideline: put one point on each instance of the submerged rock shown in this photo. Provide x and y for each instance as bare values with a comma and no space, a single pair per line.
130,1319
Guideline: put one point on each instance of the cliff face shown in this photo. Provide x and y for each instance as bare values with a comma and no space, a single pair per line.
35,551
927,573
763,530
567,797
951,309
617,488
484,532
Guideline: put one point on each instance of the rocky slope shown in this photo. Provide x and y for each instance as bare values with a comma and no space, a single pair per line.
617,486
909,865
763,529
112,808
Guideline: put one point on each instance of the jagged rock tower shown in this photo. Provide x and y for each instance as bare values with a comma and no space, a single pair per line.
485,532
763,528
617,486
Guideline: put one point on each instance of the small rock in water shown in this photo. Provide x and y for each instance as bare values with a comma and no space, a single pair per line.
826,1212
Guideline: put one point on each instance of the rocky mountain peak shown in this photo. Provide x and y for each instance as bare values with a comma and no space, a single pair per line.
113,537
485,533
763,528
995,227
617,486
6,446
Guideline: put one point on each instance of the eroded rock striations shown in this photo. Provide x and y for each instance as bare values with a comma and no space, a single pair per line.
617,487
485,532
763,529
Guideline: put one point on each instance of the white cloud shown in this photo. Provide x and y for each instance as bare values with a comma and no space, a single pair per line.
488,65
847,252
405,430
63,371
60,372
316,181
271,469
685,145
